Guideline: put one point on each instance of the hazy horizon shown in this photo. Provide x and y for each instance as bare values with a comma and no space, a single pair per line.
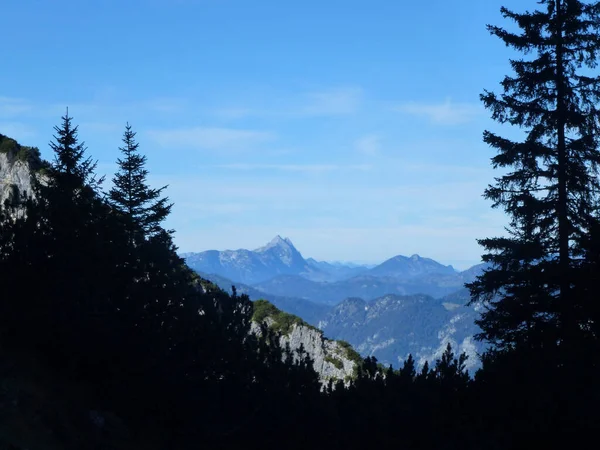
459,265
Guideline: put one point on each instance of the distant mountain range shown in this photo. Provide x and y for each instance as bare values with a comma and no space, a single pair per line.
280,257
403,305
279,269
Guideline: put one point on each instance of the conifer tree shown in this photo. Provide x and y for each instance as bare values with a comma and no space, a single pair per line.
451,370
71,170
132,195
551,185
69,244
408,372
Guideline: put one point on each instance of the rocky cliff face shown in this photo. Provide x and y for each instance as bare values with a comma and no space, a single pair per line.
17,164
15,178
332,360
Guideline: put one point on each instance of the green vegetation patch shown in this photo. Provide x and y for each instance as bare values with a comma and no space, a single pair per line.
350,353
7,144
282,321
338,363
30,155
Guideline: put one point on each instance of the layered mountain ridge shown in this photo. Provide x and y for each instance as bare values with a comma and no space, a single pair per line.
407,304
279,269
281,258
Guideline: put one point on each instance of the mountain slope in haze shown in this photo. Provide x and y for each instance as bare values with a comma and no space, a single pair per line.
325,271
392,326
309,311
410,267
364,286
428,277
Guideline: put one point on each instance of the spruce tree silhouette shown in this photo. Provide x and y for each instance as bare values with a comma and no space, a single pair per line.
554,181
132,195
536,316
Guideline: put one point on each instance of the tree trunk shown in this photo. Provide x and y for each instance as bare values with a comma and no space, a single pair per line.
562,207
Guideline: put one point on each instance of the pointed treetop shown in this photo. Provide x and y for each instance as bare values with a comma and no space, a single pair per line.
132,195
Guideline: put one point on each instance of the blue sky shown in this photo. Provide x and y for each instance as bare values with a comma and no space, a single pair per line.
351,127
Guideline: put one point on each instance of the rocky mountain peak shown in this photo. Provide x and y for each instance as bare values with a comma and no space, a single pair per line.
282,250
277,241
278,257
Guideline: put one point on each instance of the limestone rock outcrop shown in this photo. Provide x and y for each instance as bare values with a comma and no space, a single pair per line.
18,165
332,360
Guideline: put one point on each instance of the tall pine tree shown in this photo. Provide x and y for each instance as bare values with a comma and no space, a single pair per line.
70,245
71,170
550,188
132,195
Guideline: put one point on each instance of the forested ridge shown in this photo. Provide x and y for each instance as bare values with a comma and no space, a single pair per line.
124,346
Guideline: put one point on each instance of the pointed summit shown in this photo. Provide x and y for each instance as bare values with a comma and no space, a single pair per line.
277,241
284,251
278,257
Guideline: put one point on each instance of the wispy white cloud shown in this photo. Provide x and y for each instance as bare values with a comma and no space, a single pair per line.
446,113
327,102
211,209
169,105
97,108
410,201
339,101
207,138
369,145
311,168
238,113
111,108
13,107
